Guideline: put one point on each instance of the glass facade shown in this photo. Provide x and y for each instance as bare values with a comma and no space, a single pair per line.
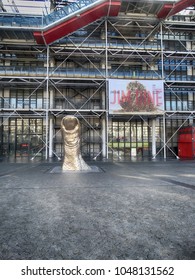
40,84
130,139
22,137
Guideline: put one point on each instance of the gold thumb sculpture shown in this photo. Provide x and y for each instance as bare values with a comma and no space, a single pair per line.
71,131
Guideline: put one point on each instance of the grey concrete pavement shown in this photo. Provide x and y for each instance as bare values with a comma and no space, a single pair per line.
130,210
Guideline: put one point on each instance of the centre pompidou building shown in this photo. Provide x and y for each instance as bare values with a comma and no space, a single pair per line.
124,68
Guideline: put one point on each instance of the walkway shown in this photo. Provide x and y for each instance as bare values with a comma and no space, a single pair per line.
130,210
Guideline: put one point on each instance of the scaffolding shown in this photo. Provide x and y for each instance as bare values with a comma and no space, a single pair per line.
40,83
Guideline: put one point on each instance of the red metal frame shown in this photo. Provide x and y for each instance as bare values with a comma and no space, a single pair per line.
108,8
172,9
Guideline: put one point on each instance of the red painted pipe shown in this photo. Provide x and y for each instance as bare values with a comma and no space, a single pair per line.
172,9
108,8
165,10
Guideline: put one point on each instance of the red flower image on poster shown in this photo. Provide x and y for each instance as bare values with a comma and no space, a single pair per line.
136,96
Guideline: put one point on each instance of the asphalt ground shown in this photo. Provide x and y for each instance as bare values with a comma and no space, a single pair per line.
128,210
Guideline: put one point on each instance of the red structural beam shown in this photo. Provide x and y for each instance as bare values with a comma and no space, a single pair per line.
107,8
171,9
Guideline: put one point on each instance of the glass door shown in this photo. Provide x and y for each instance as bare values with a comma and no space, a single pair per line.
129,139
26,137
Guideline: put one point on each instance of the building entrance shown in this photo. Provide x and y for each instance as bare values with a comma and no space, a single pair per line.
130,138
23,137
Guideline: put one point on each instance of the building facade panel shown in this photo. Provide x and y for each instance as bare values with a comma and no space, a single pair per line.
39,84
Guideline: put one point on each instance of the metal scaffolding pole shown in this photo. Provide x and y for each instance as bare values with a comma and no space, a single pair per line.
107,89
47,107
162,54
162,75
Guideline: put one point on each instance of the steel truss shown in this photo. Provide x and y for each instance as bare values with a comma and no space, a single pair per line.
149,57
73,74
50,82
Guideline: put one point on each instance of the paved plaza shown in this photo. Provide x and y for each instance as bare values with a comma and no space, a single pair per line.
128,210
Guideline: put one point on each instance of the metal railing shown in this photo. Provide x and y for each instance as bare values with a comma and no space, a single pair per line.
19,20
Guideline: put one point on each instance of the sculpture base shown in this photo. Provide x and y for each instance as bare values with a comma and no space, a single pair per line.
58,169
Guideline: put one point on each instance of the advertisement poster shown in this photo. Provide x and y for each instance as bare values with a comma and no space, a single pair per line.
137,97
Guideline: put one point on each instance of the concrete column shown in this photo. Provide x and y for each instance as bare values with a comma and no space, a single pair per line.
103,100
164,136
51,129
104,150
51,99
154,138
